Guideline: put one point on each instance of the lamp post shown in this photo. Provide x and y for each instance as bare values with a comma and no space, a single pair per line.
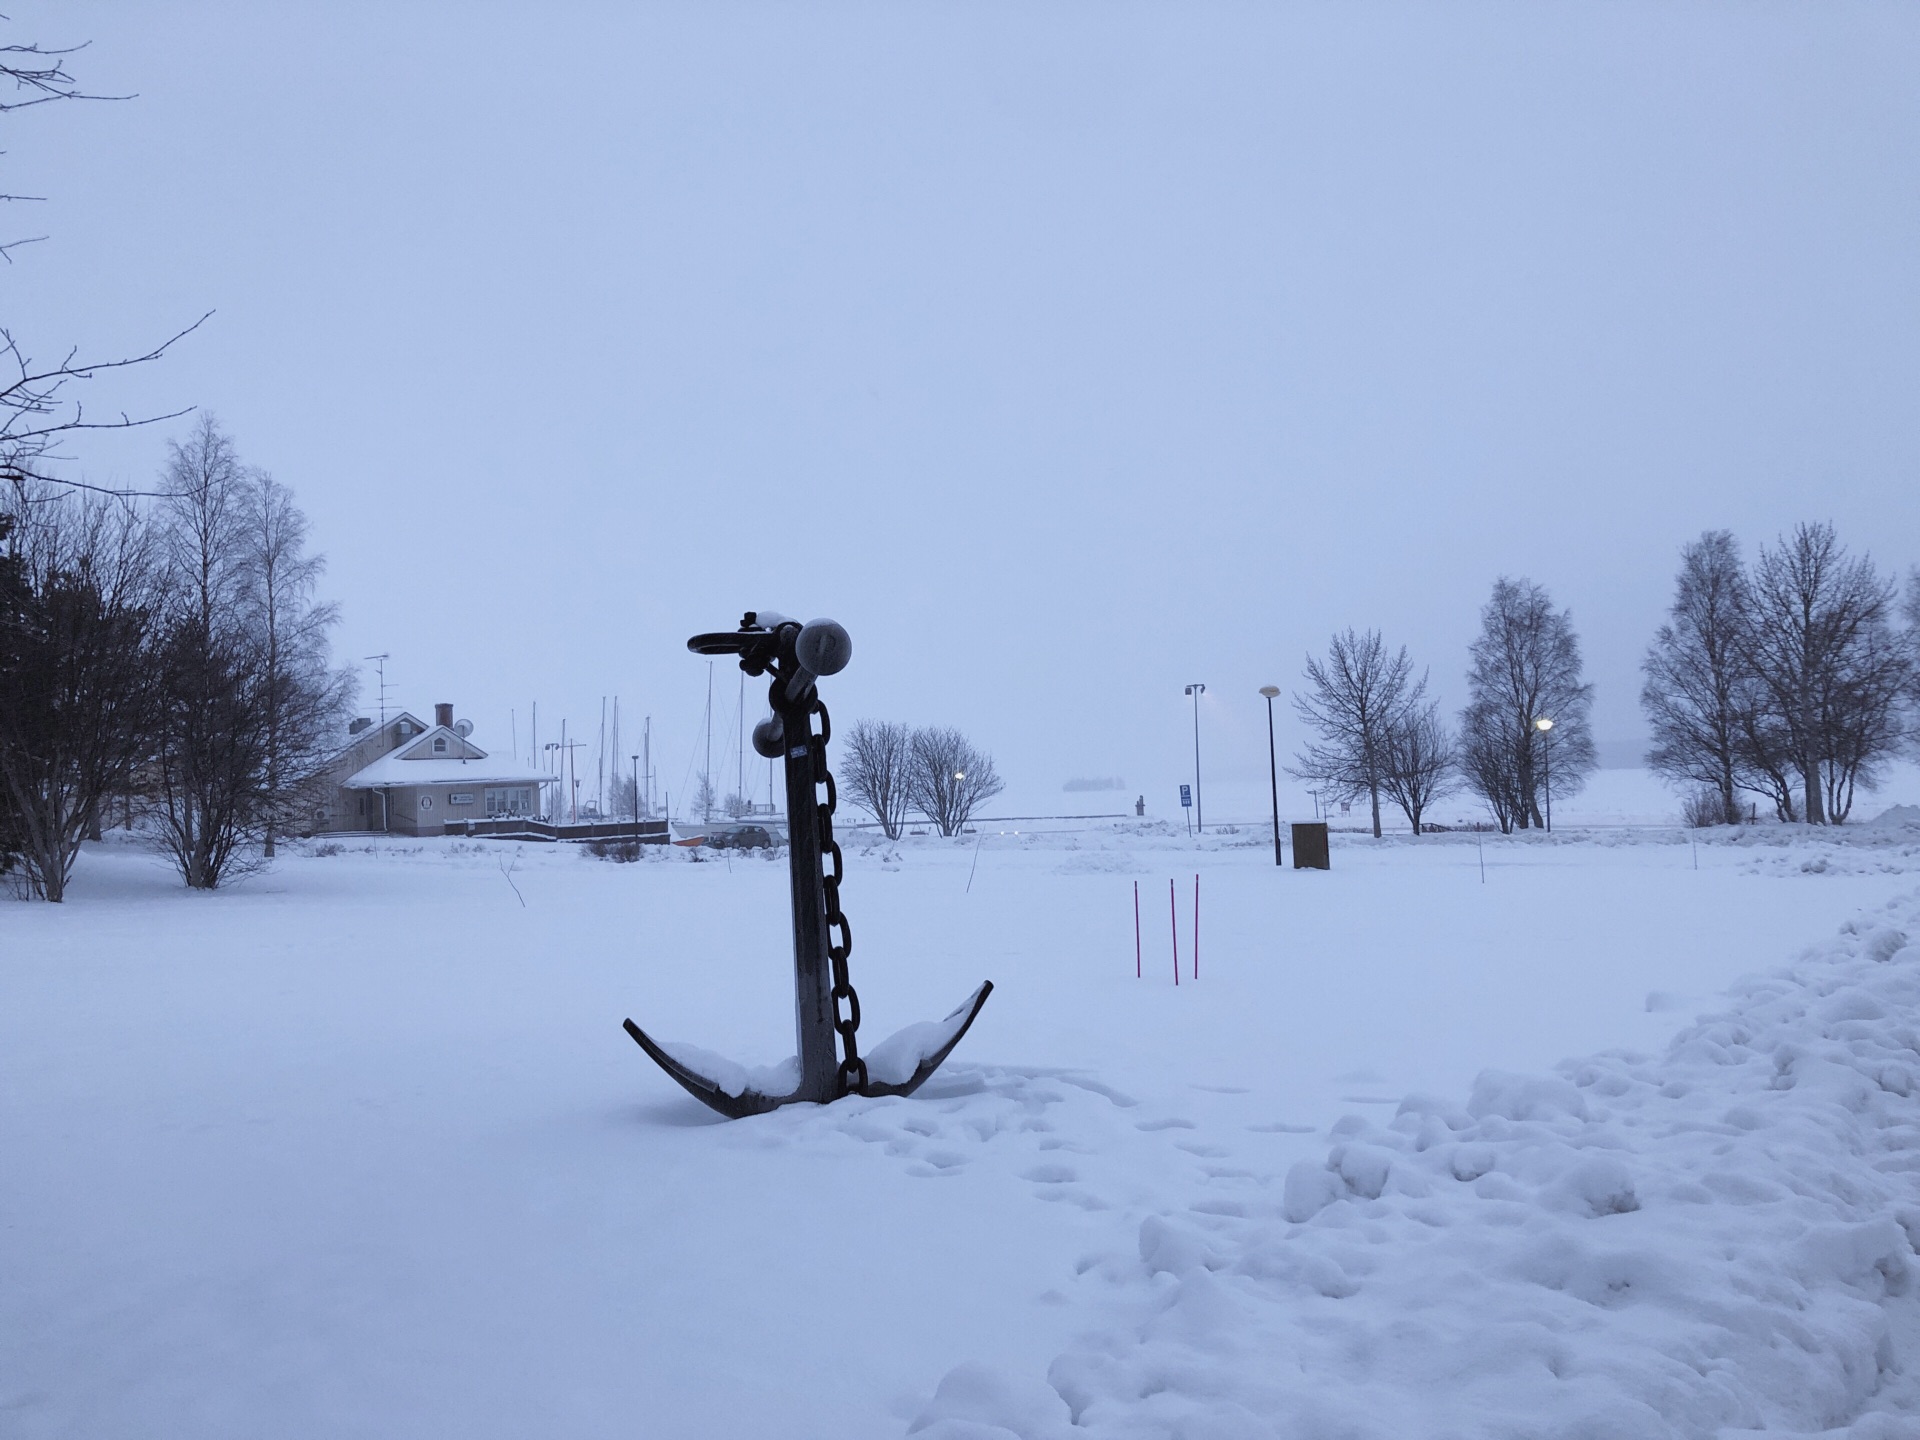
1273,768
636,800
1196,690
1545,727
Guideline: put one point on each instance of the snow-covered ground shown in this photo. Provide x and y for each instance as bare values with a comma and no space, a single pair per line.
359,1148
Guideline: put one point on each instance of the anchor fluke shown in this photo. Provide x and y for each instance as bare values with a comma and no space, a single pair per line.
914,1053
732,1091
898,1065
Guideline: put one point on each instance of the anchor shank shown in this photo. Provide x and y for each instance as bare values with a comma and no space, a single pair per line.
812,971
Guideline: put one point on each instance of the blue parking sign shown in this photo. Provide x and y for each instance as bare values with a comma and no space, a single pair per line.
1186,797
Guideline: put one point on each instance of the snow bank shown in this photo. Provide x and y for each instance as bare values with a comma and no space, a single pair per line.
1713,1243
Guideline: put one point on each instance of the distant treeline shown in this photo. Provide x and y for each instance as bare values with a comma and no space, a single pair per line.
1794,681
161,660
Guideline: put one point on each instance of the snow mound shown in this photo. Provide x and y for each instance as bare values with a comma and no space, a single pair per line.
1713,1243
1898,817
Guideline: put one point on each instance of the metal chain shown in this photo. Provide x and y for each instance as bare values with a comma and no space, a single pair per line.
853,1070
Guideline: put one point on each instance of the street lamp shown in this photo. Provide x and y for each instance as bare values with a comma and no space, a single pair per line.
636,800
1273,769
1199,810
1545,727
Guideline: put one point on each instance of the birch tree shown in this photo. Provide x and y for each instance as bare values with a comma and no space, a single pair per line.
1698,686
875,771
1830,670
212,741
1525,667
303,701
1353,700
948,778
1421,762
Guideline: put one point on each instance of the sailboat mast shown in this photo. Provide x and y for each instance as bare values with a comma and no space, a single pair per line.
613,762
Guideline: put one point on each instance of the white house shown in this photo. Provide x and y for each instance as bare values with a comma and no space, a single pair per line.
409,778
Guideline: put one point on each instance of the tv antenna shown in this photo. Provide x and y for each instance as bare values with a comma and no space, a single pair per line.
380,669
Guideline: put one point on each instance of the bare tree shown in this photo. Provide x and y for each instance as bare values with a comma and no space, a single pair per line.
78,594
1766,751
1486,761
1419,761
875,771
1525,668
1830,670
948,778
303,701
1697,688
1912,609
212,751
35,411
1866,726
1356,697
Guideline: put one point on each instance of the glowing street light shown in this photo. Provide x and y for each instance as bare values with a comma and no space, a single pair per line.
1273,769
1544,725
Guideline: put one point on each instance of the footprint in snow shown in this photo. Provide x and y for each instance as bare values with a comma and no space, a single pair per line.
1051,1174
1204,1152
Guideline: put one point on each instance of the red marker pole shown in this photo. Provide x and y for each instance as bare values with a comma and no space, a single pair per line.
1136,929
1173,916
1196,927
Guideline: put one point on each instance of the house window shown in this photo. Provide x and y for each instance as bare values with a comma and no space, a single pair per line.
514,800
439,744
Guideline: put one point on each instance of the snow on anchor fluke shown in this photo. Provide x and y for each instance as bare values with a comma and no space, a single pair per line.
899,1065
827,1063
733,1090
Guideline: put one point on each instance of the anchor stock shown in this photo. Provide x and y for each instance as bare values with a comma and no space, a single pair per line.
827,1061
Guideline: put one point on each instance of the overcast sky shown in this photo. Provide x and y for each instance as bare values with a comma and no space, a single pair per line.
1066,353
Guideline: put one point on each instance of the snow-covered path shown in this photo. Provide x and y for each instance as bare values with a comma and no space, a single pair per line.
359,1148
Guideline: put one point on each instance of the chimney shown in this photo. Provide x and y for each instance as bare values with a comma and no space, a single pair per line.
443,715
360,722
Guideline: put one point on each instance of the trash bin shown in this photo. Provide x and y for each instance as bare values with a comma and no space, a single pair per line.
1310,850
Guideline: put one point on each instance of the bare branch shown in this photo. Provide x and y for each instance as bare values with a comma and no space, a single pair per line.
33,415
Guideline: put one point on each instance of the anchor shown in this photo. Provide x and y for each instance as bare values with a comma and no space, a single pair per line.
825,1007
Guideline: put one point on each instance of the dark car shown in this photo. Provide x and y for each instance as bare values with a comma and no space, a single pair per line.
744,837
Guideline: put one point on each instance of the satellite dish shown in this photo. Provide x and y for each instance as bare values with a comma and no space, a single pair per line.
463,728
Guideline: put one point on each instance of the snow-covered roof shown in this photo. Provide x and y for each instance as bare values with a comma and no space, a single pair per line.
394,768
348,737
